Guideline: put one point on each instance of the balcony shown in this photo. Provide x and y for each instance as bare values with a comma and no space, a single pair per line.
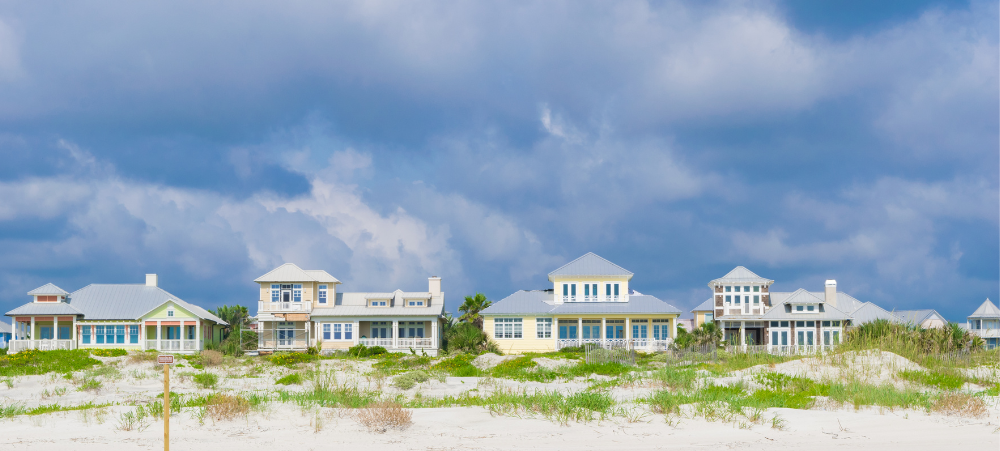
41,345
304,306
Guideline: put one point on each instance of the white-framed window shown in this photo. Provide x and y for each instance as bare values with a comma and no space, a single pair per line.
756,288
170,312
411,329
543,327
275,292
709,317
661,329
728,288
810,308
412,303
338,331
297,292
507,328
756,299
379,303
321,296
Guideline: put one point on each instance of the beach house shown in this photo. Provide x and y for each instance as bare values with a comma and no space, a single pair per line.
128,316
299,309
985,322
590,302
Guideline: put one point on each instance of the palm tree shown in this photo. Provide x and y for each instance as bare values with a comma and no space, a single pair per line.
236,315
471,307
708,334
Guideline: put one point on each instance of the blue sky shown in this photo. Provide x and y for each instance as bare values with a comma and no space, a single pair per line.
491,142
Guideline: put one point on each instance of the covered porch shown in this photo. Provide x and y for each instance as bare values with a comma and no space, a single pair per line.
43,333
643,334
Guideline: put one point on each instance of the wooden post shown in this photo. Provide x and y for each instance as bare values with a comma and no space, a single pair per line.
166,407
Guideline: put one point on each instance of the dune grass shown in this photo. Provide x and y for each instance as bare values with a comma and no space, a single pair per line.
33,362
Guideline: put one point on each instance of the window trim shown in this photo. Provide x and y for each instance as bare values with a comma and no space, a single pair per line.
501,327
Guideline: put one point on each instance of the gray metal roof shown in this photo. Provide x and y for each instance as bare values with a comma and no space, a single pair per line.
356,304
6,328
917,317
590,265
706,306
540,302
845,302
869,312
986,310
740,274
290,272
801,296
45,308
48,290
784,312
116,301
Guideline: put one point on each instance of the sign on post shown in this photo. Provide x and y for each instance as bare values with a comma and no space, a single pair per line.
166,361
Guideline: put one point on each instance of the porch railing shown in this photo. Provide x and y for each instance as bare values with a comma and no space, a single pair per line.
283,339
41,345
267,306
415,343
172,345
383,342
645,344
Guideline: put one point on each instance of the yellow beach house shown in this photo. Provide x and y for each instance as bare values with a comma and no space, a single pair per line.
126,316
590,302
301,308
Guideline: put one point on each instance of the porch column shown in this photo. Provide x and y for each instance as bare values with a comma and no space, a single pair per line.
434,332
579,331
55,327
743,335
674,322
604,332
159,334
73,323
31,333
628,333
197,335
395,333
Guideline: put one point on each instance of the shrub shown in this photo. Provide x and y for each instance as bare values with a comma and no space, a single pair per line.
459,365
361,350
292,358
34,362
115,352
90,384
466,337
226,407
312,350
571,349
142,357
406,381
206,380
383,416
210,358
294,378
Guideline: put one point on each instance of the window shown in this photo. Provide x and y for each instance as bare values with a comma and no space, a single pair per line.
800,324
639,331
729,299
572,289
326,331
120,334
99,334
756,299
799,308
586,289
836,337
737,289
709,317
607,289
746,289
811,308
543,327
737,298
810,324
321,297
826,324
616,290
756,289
345,331
338,331
297,292
275,292
836,324
45,332
565,289
133,334
784,324
416,303
728,289
379,303
661,329
170,313
507,328
85,335
774,324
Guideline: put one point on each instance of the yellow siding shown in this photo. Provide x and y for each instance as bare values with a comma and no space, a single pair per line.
530,342
161,312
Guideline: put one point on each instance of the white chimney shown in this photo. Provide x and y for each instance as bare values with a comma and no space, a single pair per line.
831,293
151,280
434,285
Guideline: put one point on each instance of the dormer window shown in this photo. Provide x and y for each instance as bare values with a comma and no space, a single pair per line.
419,303
380,303
810,308
321,296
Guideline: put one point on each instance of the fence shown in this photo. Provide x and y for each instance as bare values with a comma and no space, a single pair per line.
622,354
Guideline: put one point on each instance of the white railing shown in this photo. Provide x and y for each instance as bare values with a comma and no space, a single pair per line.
264,306
648,344
172,345
415,342
283,339
383,342
41,345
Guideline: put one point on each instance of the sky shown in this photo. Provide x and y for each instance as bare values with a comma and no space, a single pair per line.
491,142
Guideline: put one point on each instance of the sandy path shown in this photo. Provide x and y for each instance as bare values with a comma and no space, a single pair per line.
287,427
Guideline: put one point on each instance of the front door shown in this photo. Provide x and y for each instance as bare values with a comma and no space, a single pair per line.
286,293
380,329
286,334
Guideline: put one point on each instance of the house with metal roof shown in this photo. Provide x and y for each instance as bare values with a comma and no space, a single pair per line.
925,318
985,323
128,316
590,302
301,308
703,313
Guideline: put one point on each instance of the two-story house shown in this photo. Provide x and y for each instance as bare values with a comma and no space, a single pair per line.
301,308
590,302
985,322
127,316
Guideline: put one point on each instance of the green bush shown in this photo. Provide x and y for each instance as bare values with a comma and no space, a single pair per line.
206,380
34,362
406,381
292,358
466,337
115,352
459,365
571,349
361,350
294,378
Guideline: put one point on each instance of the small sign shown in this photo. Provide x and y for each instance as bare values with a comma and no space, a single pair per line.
165,359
